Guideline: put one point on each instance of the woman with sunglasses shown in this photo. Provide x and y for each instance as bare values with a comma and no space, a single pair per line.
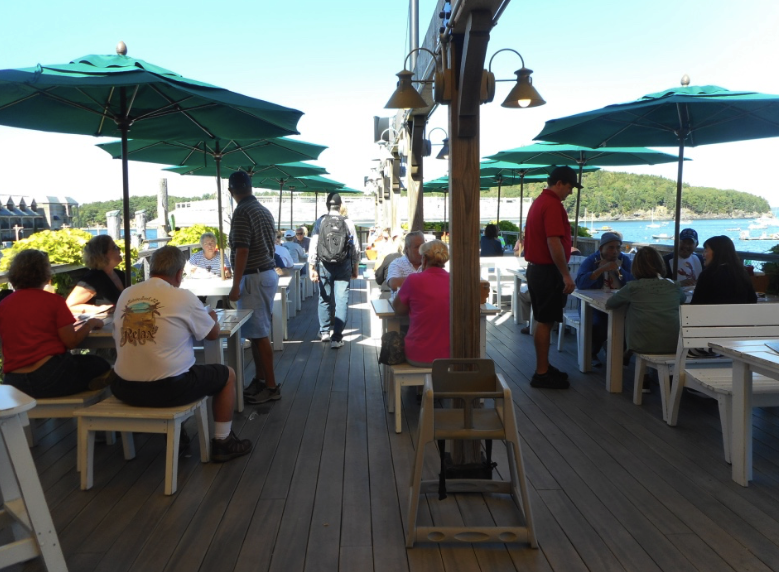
98,290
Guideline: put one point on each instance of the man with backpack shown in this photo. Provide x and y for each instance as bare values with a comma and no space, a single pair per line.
333,258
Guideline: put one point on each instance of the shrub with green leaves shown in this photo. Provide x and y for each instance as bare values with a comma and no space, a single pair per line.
192,234
63,246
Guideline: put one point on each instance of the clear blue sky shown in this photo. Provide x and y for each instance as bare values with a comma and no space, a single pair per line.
336,62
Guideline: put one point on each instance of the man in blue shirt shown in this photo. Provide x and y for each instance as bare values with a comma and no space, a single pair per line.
607,269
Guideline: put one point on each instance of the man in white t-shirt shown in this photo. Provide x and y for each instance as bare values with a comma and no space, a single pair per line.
690,263
155,326
408,264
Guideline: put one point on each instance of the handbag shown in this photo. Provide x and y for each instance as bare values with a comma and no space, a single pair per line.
393,349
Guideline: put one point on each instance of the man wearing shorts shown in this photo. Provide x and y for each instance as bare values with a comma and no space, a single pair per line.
252,245
155,326
547,250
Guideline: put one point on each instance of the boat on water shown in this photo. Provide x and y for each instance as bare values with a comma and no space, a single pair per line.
734,229
604,228
653,224
662,236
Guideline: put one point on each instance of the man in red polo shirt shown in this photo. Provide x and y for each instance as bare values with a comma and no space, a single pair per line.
547,250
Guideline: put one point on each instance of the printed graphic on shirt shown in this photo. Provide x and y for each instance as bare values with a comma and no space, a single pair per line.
138,321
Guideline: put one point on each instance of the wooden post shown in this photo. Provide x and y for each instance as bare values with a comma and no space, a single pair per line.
414,175
162,209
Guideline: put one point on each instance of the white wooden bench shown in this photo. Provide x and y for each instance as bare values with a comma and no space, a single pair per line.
703,324
114,415
400,376
64,407
664,364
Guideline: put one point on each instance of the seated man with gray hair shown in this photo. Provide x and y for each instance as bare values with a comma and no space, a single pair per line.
155,326
207,260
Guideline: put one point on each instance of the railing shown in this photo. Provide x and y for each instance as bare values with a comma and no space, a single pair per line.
144,258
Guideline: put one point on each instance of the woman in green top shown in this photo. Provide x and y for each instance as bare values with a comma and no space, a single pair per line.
652,323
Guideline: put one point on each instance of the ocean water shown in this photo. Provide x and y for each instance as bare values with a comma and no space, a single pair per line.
735,229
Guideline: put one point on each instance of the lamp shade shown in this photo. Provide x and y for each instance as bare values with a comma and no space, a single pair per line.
405,96
444,152
523,94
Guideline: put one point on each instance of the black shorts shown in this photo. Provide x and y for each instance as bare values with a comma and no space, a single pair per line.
199,381
545,284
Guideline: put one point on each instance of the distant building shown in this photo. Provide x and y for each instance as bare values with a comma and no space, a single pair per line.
28,214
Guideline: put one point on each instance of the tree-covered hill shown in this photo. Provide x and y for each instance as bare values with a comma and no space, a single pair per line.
611,195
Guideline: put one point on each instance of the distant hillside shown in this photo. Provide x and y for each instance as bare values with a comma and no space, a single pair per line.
610,195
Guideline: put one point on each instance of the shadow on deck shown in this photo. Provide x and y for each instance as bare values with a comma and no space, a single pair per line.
325,488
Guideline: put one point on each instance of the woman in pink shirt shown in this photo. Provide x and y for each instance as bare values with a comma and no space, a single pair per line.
425,298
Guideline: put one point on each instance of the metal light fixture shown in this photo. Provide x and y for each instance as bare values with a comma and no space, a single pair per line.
406,96
444,153
522,95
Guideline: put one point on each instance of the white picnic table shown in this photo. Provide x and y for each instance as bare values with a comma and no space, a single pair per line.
749,356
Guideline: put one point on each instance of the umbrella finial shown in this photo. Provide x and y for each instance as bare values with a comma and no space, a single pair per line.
685,80
121,48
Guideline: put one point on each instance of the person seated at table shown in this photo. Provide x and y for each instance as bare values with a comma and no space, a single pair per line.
690,263
37,330
98,290
411,261
207,260
424,297
652,321
607,269
301,237
282,258
296,251
724,280
391,244
490,244
155,328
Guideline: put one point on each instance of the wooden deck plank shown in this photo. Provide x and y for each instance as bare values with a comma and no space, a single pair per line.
326,486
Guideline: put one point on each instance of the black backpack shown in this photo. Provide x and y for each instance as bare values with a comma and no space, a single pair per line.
334,239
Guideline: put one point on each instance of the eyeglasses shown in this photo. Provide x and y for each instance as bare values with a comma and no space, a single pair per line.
299,233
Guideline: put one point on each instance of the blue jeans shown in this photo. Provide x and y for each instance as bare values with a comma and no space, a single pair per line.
334,297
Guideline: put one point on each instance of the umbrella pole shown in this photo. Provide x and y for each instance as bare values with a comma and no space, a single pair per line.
500,181
291,198
281,195
316,204
124,127
677,223
521,200
576,218
218,160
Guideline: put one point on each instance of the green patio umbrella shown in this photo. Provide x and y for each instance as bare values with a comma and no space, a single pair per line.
513,170
211,155
581,157
680,117
115,94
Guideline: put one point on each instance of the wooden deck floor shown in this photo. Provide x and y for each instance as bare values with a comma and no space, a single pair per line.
325,488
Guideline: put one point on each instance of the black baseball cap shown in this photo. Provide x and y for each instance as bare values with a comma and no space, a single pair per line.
240,181
564,174
333,199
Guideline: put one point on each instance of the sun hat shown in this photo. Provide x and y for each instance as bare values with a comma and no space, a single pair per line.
610,237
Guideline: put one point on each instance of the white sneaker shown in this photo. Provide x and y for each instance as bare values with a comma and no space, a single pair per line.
324,336
334,345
